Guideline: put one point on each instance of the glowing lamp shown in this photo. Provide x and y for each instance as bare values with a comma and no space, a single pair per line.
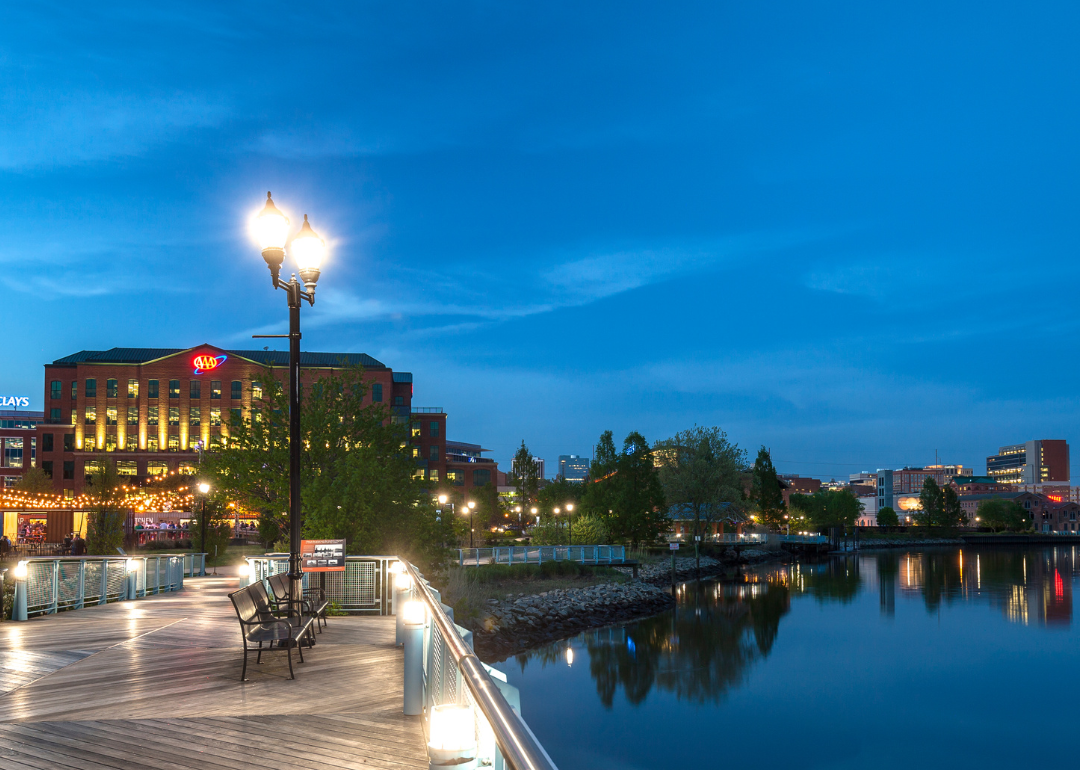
443,499
19,571
403,581
569,506
244,570
472,504
132,565
204,487
452,735
396,568
271,230
414,613
308,249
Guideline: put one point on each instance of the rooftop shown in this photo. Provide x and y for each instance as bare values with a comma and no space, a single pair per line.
269,357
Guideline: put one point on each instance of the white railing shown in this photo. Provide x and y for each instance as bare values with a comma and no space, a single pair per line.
45,586
537,554
726,538
804,539
364,587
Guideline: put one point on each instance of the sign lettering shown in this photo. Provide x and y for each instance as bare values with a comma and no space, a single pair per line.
15,401
206,362
323,555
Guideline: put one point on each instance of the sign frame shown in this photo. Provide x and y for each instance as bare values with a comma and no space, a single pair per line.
330,552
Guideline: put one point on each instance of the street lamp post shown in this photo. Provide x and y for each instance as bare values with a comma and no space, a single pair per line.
557,519
472,507
570,525
204,489
272,232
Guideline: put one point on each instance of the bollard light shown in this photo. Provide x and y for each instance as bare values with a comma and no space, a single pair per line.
414,613
403,581
397,568
452,737
19,571
132,565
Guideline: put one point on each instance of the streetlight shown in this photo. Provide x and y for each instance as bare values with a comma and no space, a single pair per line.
570,525
271,230
472,507
204,490
517,510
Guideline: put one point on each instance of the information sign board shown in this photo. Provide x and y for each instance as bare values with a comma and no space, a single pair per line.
323,555
673,546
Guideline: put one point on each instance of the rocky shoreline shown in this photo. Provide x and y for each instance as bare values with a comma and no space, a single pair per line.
515,625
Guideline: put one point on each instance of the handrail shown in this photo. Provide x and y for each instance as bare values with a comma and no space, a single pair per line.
519,747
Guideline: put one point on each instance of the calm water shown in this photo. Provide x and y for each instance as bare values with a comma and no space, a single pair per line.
938,658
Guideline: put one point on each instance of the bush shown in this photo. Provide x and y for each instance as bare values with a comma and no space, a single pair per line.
590,530
549,533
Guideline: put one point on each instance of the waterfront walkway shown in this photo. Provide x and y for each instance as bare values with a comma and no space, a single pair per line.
154,684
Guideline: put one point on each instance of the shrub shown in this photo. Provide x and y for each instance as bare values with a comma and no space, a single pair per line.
590,530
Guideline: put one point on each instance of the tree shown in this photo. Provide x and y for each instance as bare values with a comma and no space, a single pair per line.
600,495
357,479
640,513
105,523
526,476
766,492
887,517
952,513
700,471
590,530
828,508
35,482
557,494
214,538
999,513
930,499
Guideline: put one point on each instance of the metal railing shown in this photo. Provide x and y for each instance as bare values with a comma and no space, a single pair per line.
71,583
454,675
537,554
362,588
727,538
804,539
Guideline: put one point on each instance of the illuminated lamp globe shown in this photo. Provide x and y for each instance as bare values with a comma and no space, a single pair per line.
19,571
403,581
452,735
443,499
414,613
472,504
569,506
271,230
308,249
204,487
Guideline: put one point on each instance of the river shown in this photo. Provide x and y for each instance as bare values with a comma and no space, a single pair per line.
944,657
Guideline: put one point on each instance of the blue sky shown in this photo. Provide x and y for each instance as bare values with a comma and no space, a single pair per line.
842,230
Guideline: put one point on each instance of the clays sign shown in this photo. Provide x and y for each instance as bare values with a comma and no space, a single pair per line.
323,555
15,401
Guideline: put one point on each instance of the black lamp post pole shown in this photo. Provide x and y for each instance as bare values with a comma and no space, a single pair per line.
296,573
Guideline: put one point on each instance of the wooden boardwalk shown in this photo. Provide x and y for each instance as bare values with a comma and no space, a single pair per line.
155,684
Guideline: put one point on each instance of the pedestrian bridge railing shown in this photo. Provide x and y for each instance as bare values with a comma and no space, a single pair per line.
364,587
727,538
804,539
45,586
538,554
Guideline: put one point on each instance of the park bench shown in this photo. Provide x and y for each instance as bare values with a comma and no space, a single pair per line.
313,602
259,624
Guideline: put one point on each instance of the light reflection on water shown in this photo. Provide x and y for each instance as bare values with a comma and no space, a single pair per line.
860,642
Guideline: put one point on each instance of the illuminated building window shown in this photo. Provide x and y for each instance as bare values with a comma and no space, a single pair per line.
416,430
195,416
156,468
110,415
456,478
215,416
91,416
110,442
174,443
127,468
174,415
151,415
151,443
89,444
133,415
237,390
215,389
195,389
152,389
91,388
74,417
416,451
187,469
110,388
133,388
54,389
433,475
13,453
174,388
256,391
215,441
132,442
418,473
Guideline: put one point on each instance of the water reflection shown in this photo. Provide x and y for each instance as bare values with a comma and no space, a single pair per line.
720,629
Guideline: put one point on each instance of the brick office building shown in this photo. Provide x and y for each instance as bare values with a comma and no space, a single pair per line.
454,467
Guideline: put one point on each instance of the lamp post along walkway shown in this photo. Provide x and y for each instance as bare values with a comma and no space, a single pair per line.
308,249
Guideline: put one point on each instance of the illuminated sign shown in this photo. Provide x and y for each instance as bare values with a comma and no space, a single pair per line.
1055,498
15,401
206,363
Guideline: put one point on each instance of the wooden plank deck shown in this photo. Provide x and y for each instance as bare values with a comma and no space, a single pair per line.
155,685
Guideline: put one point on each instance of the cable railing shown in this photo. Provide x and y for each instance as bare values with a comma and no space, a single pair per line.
45,586
536,554
453,675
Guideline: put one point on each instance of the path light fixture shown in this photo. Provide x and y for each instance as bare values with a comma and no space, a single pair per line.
271,231
452,737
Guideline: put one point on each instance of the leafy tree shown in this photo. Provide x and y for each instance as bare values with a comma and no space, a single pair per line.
35,482
887,517
765,491
601,494
930,498
357,481
828,508
640,512
214,539
590,530
105,523
700,471
525,476
952,513
557,494
999,513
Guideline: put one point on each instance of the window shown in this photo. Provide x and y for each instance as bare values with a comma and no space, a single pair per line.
132,442
69,469
234,416
13,453
416,430
152,389
110,415
127,468
156,468
174,388
174,443
215,389
151,415
186,469
174,415
195,416
91,388
54,415
237,390
133,388
418,474
416,451
433,474
110,388
481,476
152,443
399,401
376,393
74,416
54,389
91,415
69,443
256,391
434,433
133,415
195,389
110,442
456,478
89,444
47,443
215,416
74,389
46,468
434,453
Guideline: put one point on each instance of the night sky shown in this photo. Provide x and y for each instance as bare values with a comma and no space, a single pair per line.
847,231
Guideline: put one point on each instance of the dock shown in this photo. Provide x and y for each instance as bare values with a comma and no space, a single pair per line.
155,685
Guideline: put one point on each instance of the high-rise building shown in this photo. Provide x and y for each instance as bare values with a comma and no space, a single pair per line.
1044,461
539,467
573,467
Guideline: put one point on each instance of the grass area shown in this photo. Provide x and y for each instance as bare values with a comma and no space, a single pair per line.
468,589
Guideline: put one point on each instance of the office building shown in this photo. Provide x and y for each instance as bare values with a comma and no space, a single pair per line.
539,468
1044,461
573,467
